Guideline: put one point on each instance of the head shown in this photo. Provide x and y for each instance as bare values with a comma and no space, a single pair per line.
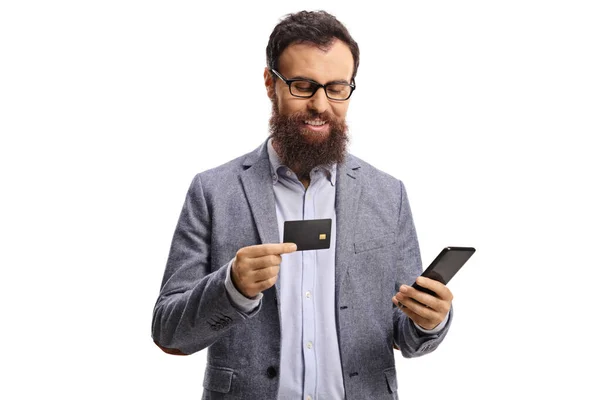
313,46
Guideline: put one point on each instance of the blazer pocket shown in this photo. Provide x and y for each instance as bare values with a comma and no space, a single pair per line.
376,243
218,379
390,376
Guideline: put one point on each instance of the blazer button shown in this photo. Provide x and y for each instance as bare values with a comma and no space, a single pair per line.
271,372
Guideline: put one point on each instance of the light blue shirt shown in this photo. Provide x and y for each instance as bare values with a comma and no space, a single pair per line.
310,366
310,357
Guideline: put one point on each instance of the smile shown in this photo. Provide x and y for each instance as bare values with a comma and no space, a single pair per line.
315,123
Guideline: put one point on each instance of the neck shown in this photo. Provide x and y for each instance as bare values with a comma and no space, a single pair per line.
305,182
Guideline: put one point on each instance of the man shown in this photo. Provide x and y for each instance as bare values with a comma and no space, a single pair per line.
280,323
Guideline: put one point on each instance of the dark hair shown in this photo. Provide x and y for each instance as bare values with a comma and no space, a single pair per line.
317,27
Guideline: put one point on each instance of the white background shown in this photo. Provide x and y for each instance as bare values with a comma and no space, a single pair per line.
488,111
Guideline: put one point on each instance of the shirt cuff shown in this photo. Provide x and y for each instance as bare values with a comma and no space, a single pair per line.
435,330
240,301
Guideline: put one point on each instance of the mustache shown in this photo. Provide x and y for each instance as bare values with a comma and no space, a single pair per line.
302,116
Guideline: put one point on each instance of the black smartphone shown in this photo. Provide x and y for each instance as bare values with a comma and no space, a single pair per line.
446,265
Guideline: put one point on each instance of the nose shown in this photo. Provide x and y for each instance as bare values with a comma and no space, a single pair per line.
319,102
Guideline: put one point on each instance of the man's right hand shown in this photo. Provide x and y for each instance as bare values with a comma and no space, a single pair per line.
256,268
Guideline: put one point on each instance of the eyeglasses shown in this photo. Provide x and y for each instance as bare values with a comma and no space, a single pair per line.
306,88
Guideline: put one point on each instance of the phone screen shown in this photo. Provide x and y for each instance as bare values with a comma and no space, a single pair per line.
446,265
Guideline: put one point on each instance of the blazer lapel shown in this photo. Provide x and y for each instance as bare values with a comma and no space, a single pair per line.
258,186
347,196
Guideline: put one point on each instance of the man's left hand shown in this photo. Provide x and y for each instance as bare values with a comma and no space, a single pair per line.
425,310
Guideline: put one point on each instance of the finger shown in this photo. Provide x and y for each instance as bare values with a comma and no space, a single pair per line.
260,262
289,248
267,283
419,320
417,307
254,288
439,288
422,297
264,274
397,303
261,250
251,282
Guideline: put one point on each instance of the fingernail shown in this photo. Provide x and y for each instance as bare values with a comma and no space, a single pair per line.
292,247
404,288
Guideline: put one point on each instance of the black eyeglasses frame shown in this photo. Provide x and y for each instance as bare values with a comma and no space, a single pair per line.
316,86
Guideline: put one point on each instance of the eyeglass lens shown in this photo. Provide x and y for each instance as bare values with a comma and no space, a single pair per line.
307,89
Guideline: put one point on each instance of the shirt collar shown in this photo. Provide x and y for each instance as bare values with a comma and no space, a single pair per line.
276,165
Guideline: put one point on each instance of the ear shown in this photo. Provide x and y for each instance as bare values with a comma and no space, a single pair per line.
269,83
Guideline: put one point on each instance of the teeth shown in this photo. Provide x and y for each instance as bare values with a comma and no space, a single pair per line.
315,123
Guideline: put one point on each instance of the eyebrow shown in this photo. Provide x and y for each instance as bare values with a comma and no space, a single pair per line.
312,80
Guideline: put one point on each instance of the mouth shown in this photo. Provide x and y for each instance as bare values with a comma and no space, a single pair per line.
316,125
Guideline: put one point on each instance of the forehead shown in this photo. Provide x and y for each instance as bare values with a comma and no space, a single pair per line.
309,61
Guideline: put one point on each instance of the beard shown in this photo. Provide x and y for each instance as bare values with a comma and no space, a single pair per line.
302,150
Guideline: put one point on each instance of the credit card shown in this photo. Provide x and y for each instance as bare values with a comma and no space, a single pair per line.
311,234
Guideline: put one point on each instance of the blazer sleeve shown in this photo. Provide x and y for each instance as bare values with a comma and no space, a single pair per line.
193,309
411,341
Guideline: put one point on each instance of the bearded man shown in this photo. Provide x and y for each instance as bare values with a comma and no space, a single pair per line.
286,324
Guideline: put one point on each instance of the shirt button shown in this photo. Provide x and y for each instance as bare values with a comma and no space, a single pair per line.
308,397
308,295
309,345
271,372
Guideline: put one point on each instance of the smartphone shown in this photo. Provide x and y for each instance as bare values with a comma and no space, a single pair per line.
446,265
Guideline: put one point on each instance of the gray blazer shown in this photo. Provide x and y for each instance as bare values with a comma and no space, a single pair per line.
233,206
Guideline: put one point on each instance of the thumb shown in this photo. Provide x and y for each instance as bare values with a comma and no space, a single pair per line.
289,248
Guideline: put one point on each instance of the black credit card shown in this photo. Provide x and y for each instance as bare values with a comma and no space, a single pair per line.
311,234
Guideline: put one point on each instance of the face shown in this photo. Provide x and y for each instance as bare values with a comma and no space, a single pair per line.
310,132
